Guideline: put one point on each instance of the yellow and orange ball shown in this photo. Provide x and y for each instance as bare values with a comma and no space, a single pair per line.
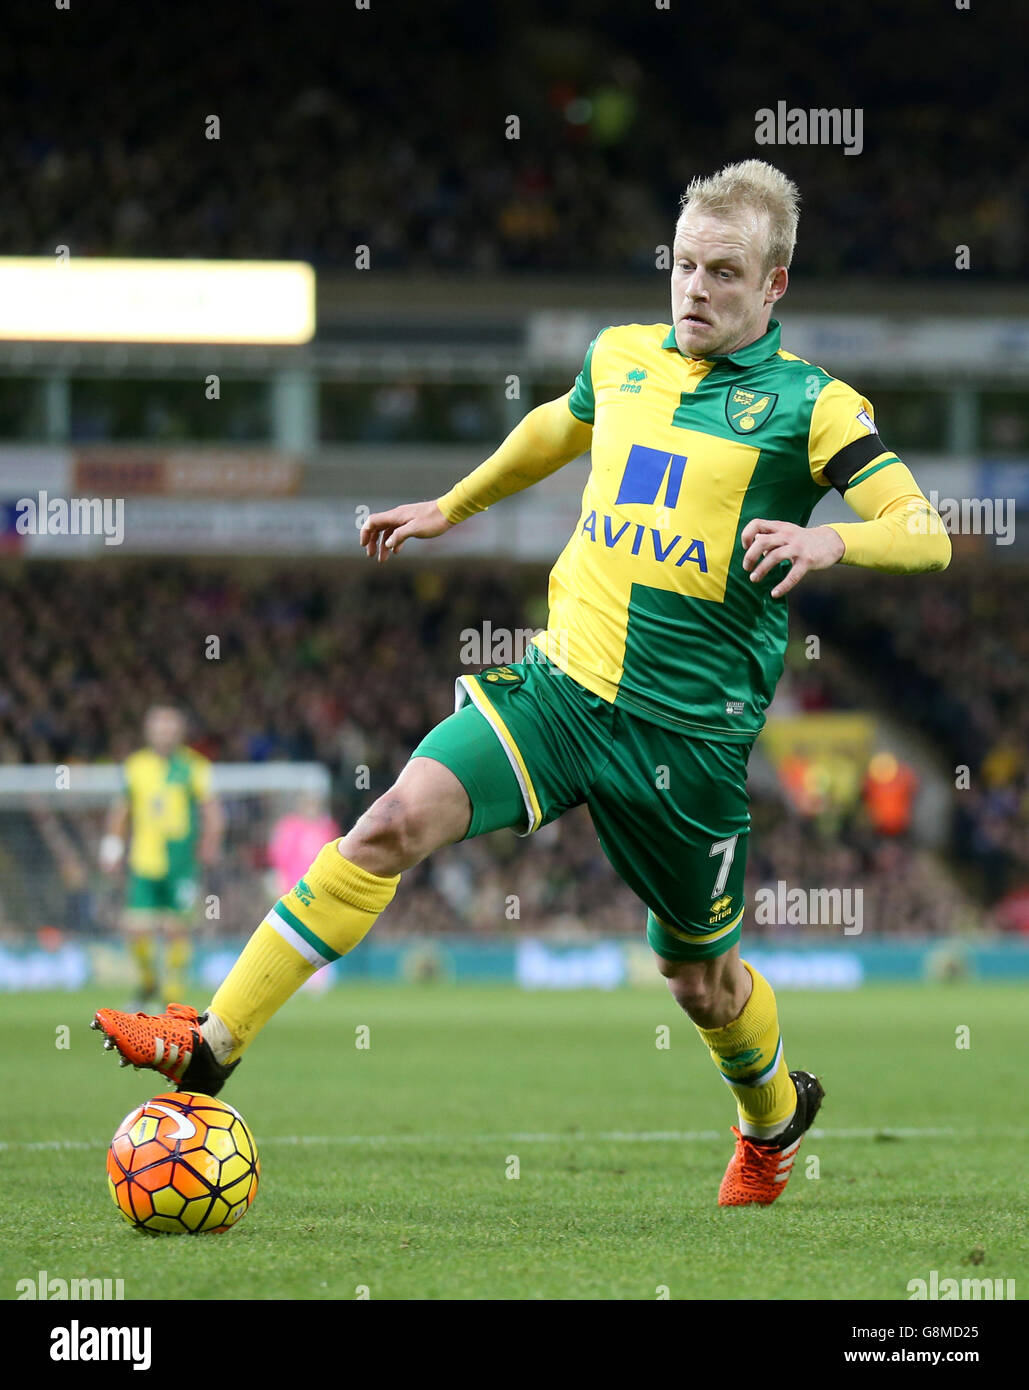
182,1164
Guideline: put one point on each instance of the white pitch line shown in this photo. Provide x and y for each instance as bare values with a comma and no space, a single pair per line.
610,1136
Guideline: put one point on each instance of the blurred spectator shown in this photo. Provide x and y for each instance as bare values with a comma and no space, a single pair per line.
296,839
1012,914
889,794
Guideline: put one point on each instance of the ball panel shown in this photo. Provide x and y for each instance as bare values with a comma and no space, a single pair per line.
235,1169
194,1214
144,1129
190,1182
163,1226
168,1202
140,1202
155,1175
241,1191
150,1154
216,1216
203,1165
221,1143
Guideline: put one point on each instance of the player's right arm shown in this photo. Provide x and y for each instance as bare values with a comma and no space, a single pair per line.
899,531
542,442
112,845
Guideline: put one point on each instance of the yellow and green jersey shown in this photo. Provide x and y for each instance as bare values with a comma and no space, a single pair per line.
165,795
650,607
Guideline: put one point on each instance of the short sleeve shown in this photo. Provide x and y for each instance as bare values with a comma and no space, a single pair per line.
581,401
844,446
200,779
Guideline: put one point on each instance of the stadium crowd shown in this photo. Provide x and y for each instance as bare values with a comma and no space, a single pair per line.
954,655
351,665
333,134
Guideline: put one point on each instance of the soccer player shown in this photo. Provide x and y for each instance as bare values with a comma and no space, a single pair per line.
710,446
175,825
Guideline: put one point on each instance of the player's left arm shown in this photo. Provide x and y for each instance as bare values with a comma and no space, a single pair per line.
212,817
900,532
212,829
116,828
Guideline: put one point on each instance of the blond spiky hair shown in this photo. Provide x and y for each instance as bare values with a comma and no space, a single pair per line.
748,187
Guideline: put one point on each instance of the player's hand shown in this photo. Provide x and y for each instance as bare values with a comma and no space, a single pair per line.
768,543
384,533
112,851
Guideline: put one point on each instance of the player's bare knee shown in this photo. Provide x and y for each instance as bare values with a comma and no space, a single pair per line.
693,991
392,833
705,990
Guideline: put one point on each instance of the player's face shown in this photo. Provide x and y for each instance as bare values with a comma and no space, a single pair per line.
164,730
721,296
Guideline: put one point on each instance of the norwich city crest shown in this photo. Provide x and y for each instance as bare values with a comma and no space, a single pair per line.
747,411
502,675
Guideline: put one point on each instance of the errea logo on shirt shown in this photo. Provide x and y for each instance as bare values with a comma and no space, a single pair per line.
634,381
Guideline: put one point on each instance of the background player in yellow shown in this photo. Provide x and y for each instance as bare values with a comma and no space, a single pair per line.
710,446
172,825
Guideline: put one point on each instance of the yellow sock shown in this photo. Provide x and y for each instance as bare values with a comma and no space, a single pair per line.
177,956
143,950
328,912
749,1055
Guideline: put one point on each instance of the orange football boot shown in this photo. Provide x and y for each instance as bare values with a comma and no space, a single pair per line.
171,1043
760,1168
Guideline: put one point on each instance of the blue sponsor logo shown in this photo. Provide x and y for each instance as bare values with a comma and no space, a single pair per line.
645,471
689,550
652,477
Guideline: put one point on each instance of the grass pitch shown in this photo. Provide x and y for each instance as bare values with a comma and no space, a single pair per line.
387,1168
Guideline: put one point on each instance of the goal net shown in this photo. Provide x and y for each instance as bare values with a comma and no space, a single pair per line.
52,820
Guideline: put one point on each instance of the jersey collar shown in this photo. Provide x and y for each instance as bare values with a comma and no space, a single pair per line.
758,351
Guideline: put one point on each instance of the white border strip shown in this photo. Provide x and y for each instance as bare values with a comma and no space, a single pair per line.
471,693
294,939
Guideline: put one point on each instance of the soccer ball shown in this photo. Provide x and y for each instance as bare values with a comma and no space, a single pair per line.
182,1164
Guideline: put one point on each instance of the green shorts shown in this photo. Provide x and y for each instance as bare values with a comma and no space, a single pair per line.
175,893
670,810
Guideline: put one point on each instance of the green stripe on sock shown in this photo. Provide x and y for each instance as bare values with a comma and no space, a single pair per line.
302,930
